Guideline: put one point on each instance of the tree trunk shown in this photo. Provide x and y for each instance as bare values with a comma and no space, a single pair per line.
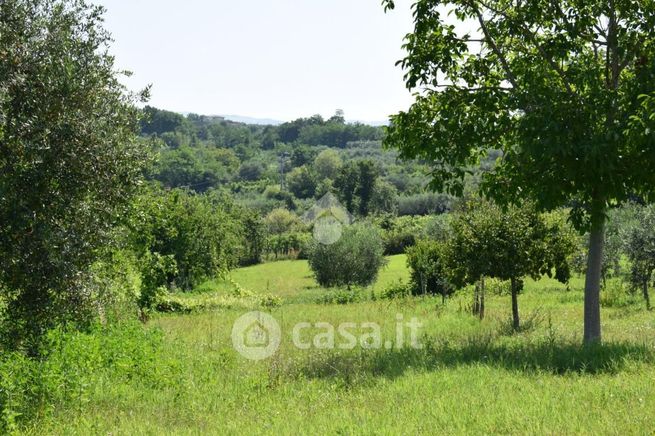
515,305
481,298
646,295
476,299
592,283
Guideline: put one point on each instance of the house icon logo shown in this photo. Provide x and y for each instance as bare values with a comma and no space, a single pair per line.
327,218
256,335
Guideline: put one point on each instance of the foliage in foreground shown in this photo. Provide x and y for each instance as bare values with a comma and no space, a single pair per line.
73,364
564,89
69,161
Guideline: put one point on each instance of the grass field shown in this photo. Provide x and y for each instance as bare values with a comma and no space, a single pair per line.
469,377
292,279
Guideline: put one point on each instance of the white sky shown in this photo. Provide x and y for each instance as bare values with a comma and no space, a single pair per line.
279,59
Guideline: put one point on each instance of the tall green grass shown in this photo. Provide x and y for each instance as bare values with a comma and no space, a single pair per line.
471,376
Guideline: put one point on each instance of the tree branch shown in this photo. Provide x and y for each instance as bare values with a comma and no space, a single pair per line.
473,89
528,34
508,72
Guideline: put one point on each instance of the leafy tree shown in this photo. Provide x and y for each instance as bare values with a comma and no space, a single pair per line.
428,269
302,155
338,117
69,160
327,164
289,132
280,221
385,198
355,185
301,182
346,185
253,237
156,121
188,236
355,259
487,242
564,89
251,171
368,176
640,247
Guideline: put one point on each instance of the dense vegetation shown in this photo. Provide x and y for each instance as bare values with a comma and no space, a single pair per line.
132,237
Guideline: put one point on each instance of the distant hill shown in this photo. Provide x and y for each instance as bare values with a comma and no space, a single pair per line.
250,120
272,122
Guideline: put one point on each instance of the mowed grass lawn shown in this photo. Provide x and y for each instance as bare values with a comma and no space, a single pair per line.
470,377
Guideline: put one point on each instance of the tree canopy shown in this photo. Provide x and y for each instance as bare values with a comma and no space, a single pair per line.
69,157
564,89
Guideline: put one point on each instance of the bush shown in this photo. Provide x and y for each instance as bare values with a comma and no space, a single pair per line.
74,365
183,239
342,296
397,290
400,233
355,259
428,269
616,293
289,245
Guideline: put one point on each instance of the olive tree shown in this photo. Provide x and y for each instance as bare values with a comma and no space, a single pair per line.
69,159
355,259
565,89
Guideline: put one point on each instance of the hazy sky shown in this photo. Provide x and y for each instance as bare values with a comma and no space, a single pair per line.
279,59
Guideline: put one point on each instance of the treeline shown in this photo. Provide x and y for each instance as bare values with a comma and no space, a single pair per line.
289,165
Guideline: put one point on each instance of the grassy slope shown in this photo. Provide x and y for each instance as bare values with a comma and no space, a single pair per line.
471,377
293,280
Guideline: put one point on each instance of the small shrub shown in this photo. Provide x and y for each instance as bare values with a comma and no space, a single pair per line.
343,296
397,290
270,301
616,293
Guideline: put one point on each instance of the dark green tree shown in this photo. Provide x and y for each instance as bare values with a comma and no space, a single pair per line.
356,185
69,160
346,185
565,89
368,176
301,181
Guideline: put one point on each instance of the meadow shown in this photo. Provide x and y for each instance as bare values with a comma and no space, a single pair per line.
470,376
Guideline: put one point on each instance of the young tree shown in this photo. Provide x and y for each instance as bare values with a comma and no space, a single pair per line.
563,88
355,259
69,159
640,247
487,242
428,269
356,185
